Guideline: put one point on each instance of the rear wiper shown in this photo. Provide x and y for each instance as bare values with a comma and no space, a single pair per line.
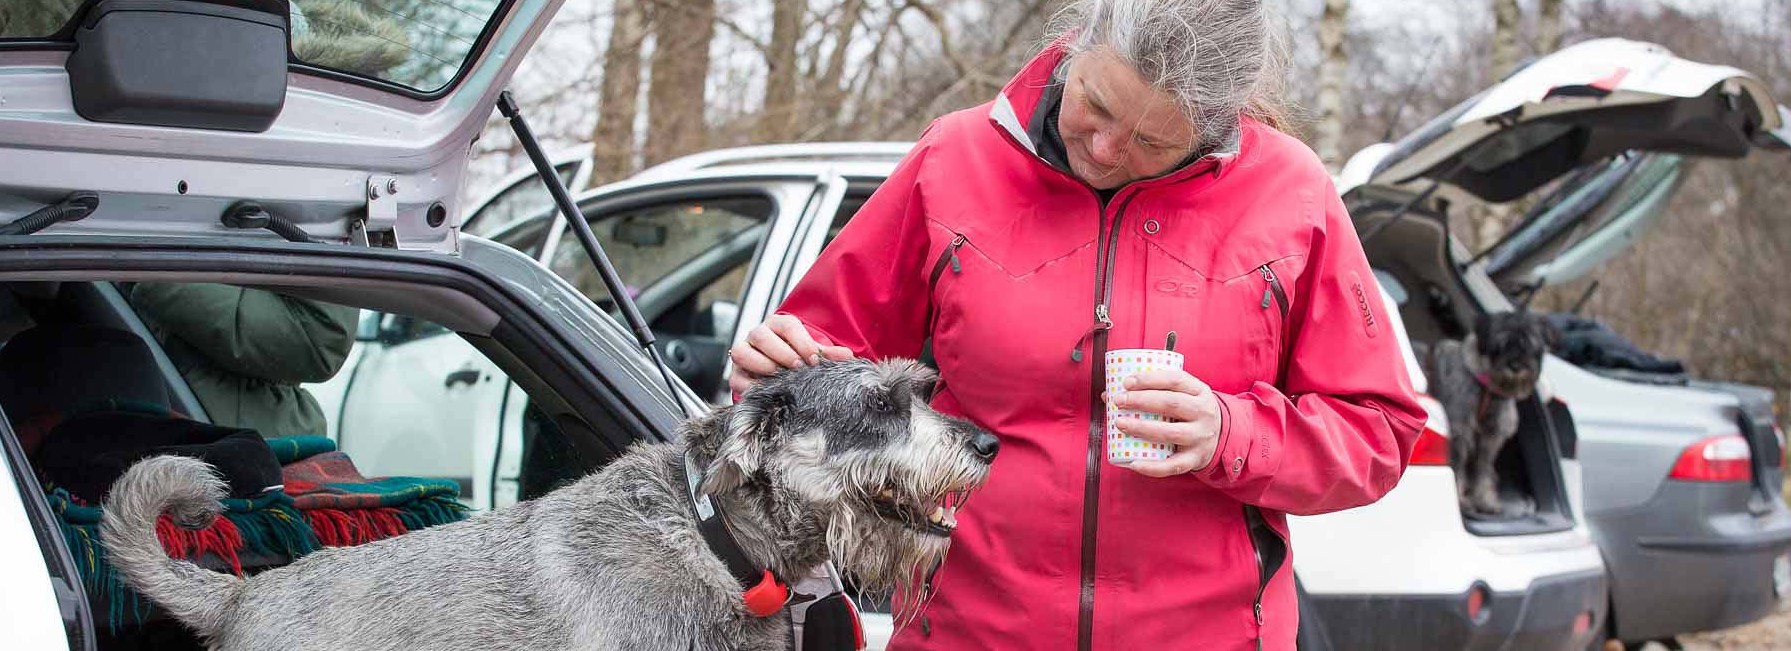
611,280
75,207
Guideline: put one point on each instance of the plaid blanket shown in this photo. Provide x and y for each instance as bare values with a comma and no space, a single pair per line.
325,502
347,508
266,526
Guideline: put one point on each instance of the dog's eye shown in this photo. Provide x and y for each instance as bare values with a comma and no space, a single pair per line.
881,403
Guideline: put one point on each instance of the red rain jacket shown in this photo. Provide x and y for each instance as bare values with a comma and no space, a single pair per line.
1009,264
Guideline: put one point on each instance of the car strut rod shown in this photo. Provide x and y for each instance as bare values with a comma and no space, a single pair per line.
611,280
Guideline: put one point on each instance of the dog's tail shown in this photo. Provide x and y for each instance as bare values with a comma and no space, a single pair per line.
189,491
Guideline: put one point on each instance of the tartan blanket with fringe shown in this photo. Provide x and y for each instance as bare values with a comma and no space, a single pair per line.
325,502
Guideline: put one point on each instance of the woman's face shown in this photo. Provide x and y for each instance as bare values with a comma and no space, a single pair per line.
1116,128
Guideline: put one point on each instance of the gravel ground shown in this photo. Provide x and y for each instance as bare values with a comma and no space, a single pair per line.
1770,634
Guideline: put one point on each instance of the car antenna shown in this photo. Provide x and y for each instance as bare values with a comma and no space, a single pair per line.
611,280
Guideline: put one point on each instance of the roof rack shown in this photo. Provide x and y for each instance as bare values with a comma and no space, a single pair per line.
781,153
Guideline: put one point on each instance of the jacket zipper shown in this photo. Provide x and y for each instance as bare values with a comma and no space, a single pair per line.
1253,523
1253,520
1275,292
1091,489
947,257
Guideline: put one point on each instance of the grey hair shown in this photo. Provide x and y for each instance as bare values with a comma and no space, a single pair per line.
1221,59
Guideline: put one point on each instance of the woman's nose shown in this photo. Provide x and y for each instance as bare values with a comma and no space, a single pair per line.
1106,148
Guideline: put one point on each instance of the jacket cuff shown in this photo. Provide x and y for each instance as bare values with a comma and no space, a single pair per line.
1231,456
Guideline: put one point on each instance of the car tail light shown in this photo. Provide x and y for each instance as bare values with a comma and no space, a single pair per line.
1718,458
1479,603
1432,449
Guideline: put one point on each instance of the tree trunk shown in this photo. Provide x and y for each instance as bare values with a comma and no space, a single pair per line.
1331,29
829,94
682,31
1504,54
1548,26
612,142
777,121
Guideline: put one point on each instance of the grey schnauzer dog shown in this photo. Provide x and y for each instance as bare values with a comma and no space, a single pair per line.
1479,381
842,461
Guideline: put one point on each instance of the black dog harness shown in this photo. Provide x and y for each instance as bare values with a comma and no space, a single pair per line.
822,618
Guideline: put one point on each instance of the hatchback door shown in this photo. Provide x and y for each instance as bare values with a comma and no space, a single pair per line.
1583,105
345,136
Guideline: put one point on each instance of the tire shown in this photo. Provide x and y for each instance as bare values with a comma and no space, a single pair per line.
1312,635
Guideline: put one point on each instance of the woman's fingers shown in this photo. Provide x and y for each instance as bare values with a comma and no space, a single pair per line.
780,342
1176,380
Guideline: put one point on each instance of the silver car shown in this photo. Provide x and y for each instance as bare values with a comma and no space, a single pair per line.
184,144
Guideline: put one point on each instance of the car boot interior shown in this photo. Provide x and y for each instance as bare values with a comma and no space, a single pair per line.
77,360
1414,260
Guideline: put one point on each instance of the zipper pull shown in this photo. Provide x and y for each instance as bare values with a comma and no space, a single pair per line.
1102,322
1268,276
956,267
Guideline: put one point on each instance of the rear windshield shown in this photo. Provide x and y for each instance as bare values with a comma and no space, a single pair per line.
419,44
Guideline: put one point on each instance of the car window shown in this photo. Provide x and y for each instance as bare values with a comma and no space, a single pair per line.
525,198
849,206
527,236
695,245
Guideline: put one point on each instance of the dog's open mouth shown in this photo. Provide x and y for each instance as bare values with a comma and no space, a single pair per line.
941,519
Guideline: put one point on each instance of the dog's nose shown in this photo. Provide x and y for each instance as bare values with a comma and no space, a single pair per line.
986,445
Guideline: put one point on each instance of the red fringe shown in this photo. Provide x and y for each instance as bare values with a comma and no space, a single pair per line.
344,528
220,538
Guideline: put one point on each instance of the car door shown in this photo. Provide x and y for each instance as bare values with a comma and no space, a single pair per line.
421,402
693,256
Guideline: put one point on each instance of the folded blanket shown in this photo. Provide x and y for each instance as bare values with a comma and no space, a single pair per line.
325,502
347,508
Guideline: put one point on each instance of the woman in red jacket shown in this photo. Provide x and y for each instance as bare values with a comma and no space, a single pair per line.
1122,186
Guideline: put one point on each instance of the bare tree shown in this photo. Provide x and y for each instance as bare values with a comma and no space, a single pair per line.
777,118
1548,26
612,141
1331,29
677,96
1506,16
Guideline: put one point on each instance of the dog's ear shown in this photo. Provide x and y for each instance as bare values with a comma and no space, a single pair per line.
749,426
1551,335
1483,329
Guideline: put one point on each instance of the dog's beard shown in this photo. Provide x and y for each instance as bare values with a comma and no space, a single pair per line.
888,559
1516,384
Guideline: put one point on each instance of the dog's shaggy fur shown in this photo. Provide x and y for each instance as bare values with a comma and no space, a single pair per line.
844,461
1479,381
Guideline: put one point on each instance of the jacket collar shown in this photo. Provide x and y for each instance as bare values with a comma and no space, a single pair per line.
1015,106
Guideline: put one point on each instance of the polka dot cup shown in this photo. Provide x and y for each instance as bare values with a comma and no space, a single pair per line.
1123,363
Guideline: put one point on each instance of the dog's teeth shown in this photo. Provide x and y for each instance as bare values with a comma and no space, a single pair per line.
938,515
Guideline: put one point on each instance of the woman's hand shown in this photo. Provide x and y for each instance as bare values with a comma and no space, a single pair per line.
780,342
1181,398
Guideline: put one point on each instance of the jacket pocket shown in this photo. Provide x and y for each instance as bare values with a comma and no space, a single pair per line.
1226,330
1277,306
